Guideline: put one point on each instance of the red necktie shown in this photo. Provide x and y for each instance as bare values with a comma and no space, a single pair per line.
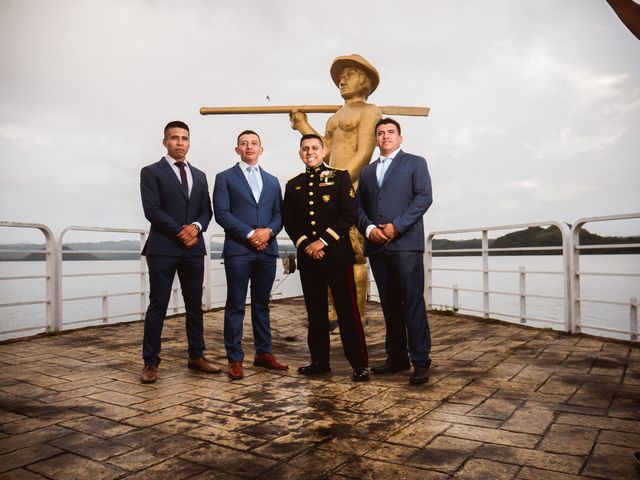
183,176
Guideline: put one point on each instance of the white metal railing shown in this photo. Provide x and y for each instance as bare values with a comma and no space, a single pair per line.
486,292
577,299
56,276
570,273
51,284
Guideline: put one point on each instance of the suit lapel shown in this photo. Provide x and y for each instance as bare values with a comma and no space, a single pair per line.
373,171
265,184
166,168
195,188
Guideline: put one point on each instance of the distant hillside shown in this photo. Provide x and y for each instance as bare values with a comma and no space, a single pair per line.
536,237
530,237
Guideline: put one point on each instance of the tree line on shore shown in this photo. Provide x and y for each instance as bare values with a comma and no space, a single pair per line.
529,237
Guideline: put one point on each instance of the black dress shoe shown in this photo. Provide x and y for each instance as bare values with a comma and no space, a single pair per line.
390,366
314,368
360,375
419,375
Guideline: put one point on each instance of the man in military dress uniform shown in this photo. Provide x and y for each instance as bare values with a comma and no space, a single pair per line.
319,208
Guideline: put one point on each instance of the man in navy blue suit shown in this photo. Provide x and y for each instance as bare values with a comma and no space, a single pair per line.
175,199
394,192
246,203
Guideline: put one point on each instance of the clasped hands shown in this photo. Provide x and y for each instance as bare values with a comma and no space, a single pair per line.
260,238
383,233
188,236
315,250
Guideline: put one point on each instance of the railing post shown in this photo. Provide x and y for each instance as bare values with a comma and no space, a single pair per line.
105,307
207,276
523,296
175,299
574,296
57,289
633,319
485,273
143,279
428,268
456,298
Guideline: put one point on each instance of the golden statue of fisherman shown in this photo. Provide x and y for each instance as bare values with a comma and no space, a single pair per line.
350,138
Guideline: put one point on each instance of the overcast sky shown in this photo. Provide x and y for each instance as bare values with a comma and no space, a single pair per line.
535,104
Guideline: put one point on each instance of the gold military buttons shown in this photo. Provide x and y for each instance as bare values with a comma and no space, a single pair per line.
313,233
313,222
311,194
312,213
310,202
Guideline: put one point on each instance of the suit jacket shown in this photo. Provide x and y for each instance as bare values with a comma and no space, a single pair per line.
403,198
320,203
168,208
237,211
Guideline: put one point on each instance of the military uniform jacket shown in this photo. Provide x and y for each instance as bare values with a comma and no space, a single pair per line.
320,204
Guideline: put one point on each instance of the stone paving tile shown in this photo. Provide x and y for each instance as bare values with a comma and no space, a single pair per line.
496,408
155,452
26,456
444,454
100,427
493,435
528,457
243,464
529,420
89,446
478,469
172,469
603,423
612,461
367,469
530,473
21,474
620,438
569,439
69,465
504,401
34,437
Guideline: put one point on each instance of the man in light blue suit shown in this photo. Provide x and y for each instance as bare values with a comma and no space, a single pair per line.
246,203
394,192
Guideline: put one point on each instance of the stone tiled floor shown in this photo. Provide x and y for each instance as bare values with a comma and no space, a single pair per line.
504,402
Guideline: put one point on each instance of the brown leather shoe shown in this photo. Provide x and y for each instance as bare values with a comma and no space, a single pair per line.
149,374
202,365
235,371
269,361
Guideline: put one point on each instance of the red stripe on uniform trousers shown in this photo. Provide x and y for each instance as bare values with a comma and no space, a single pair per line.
356,314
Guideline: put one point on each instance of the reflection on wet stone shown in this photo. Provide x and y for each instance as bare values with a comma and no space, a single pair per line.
503,401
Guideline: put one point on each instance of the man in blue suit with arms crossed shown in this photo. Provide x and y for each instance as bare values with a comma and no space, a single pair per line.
175,199
394,192
246,203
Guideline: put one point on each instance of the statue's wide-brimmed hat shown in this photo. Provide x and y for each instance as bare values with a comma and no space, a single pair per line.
355,61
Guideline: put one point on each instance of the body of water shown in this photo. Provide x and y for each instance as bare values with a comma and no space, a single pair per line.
128,306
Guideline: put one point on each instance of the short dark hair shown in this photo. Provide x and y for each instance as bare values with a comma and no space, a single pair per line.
311,135
176,124
385,121
247,132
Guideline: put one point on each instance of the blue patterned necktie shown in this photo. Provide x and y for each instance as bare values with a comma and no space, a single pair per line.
253,182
